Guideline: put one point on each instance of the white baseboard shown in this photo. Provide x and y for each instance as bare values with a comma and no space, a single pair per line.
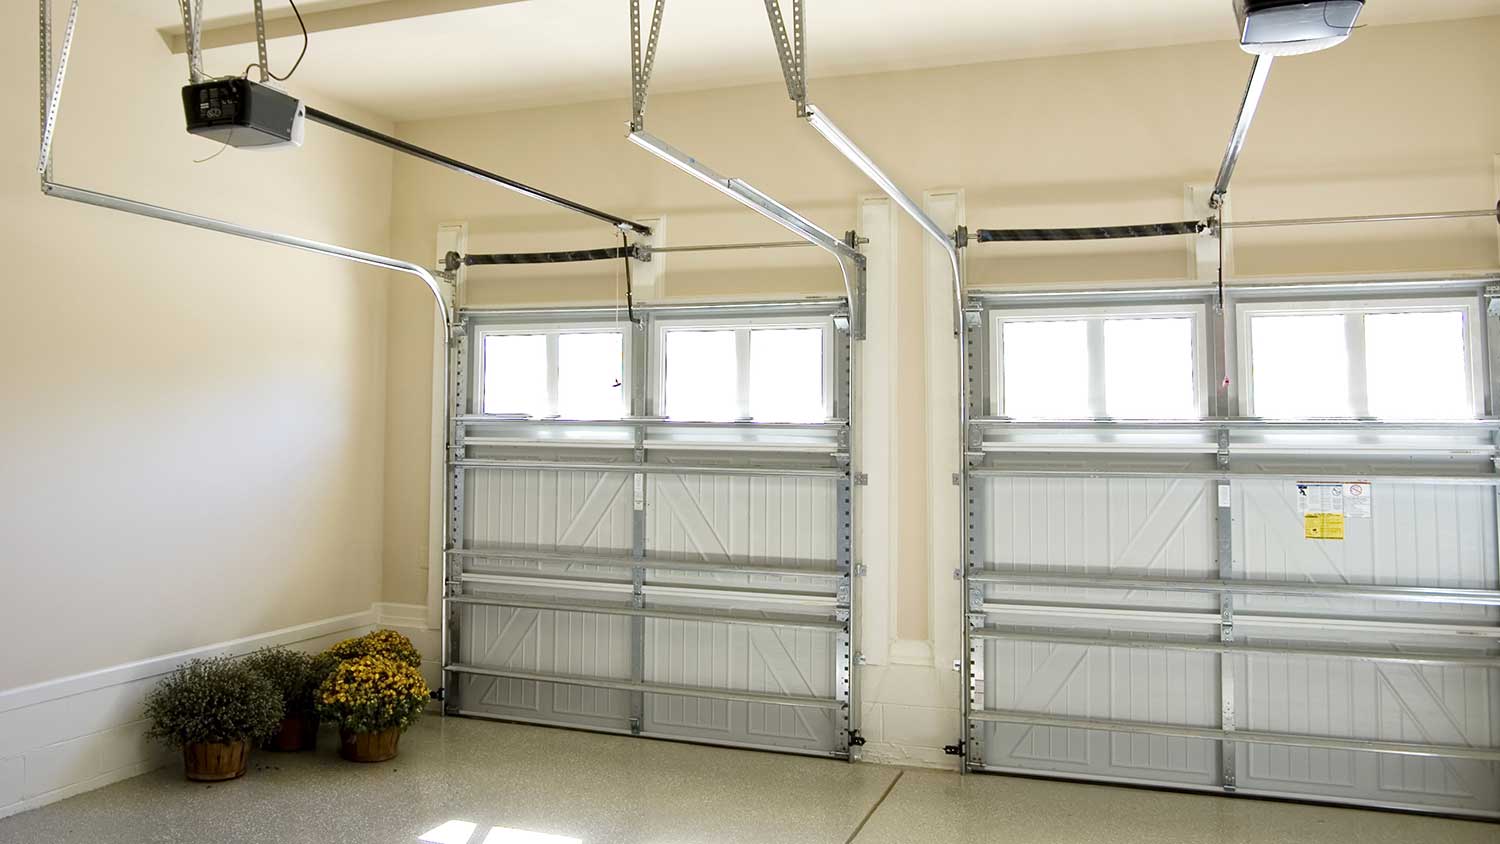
73,734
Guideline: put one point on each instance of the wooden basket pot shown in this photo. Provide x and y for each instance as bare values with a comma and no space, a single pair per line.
297,732
376,746
214,761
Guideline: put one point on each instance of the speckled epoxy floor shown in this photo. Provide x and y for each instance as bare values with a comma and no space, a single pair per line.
596,788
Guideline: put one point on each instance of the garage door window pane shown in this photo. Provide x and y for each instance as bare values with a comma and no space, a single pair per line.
786,375
1299,366
1416,366
515,374
1046,369
1148,368
590,369
701,375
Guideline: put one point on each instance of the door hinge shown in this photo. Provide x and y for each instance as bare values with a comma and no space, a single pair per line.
954,749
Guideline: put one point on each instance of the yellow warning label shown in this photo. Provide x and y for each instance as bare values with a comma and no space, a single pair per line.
1323,525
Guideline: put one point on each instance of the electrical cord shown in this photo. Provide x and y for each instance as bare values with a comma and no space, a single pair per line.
300,56
265,72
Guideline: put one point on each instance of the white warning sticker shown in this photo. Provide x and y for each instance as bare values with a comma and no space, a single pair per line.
1357,500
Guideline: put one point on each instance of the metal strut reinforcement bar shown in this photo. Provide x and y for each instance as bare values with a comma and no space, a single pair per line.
329,120
648,687
1034,719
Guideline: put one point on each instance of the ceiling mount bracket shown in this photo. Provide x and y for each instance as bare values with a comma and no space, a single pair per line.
791,50
642,62
192,30
260,40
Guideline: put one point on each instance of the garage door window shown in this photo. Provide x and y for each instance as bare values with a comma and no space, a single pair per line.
720,372
1086,364
553,373
1402,360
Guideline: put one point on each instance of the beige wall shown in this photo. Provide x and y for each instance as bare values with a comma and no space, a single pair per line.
1400,118
192,426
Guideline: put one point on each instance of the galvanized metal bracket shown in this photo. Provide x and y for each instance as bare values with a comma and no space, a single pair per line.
792,50
642,61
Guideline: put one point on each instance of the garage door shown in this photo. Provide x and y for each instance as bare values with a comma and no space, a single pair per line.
1248,549
651,523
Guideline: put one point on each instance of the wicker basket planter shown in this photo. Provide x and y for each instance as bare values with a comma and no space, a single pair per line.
377,746
297,732
216,762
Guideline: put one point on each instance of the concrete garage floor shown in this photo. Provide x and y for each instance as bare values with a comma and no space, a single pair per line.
594,789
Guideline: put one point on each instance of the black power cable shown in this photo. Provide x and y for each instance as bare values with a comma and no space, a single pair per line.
300,56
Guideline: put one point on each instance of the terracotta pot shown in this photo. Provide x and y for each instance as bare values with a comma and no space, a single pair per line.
297,732
369,747
215,762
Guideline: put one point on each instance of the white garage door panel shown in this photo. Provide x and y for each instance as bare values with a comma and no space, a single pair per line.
1450,705
743,658
1418,535
548,509
1161,528
722,517
545,641
1170,687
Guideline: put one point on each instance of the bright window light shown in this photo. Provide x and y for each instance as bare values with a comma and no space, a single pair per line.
786,375
515,374
1299,366
1416,365
590,370
1148,368
1046,369
506,835
701,375
450,832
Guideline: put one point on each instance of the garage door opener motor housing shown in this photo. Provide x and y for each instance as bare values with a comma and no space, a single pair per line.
243,114
1292,27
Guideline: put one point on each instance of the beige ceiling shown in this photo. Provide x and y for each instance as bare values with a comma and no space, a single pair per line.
408,64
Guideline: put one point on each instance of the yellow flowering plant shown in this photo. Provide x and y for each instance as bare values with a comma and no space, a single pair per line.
371,693
386,643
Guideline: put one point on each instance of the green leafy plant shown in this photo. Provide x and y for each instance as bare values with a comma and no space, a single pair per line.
372,693
213,700
295,674
386,643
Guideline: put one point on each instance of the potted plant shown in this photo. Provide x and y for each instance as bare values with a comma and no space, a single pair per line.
213,709
374,699
296,676
386,643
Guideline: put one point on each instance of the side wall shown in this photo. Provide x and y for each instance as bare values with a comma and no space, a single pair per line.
192,434
1400,118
